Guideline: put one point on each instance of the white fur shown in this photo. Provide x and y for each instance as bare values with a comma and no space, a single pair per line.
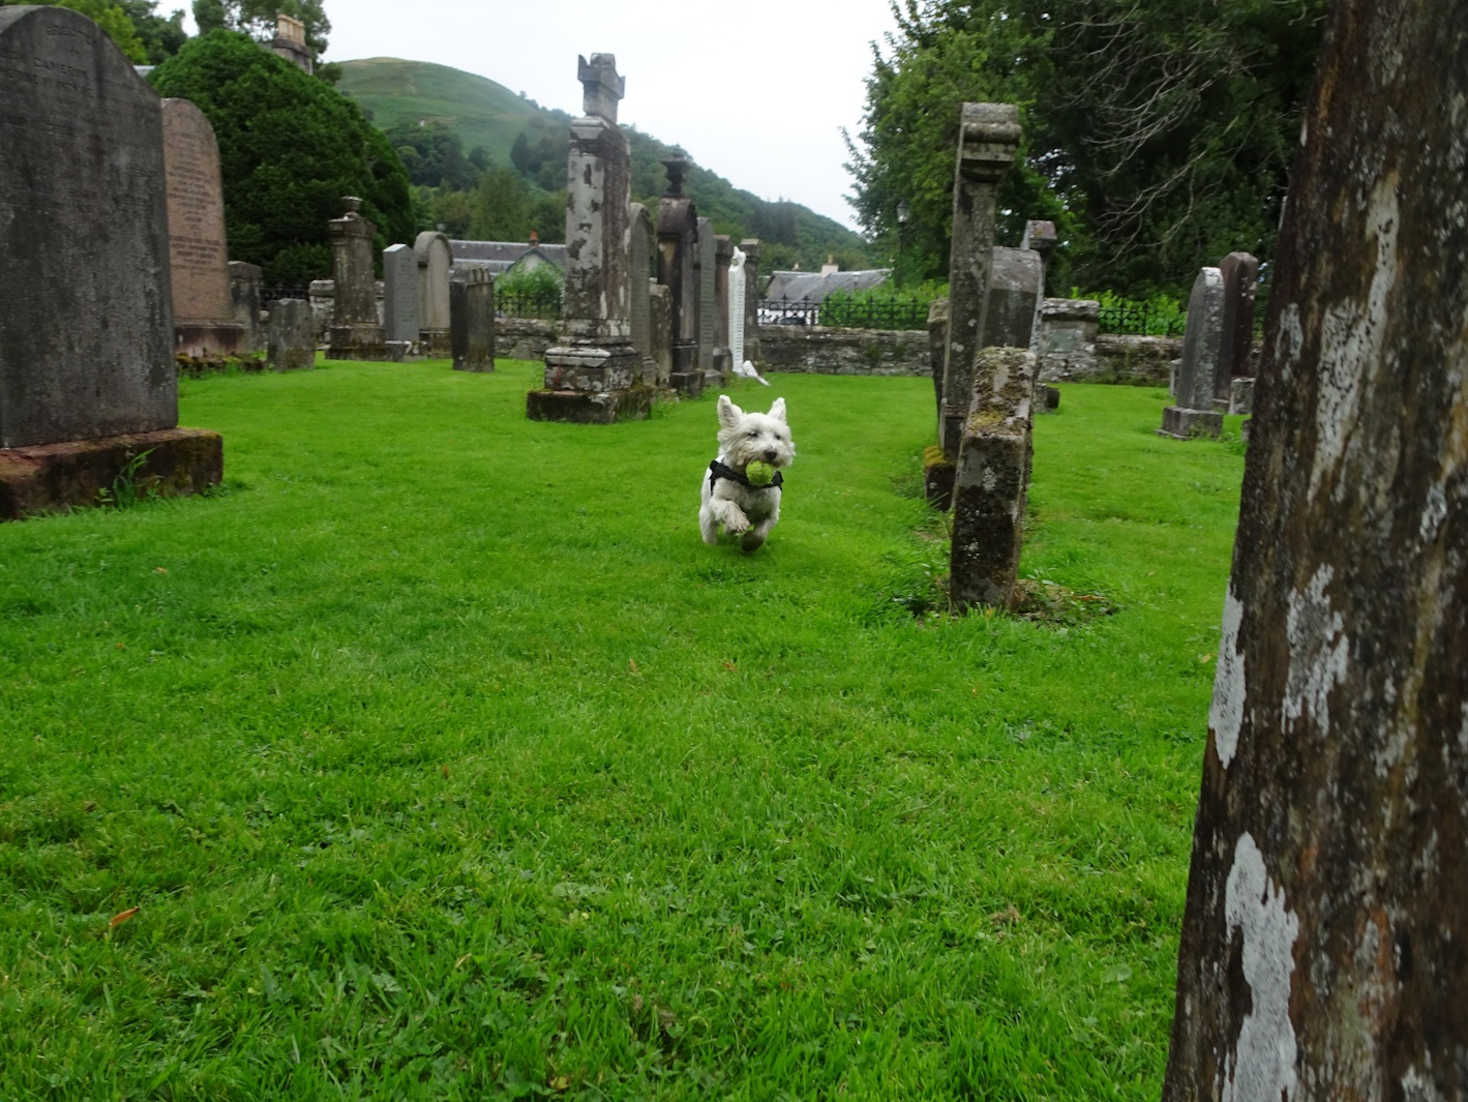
745,511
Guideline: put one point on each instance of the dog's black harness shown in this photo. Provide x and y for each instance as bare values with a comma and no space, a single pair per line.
718,470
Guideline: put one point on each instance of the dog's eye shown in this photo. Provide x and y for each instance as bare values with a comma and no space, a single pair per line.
752,433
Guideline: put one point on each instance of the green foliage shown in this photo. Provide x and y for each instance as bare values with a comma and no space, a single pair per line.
886,306
257,18
1158,134
128,487
543,279
432,155
1159,314
290,147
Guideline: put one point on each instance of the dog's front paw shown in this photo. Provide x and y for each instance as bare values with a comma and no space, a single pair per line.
735,522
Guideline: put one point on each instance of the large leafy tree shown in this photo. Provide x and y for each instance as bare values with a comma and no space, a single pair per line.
257,18
1159,131
289,147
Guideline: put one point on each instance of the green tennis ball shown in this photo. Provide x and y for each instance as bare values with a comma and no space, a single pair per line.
759,473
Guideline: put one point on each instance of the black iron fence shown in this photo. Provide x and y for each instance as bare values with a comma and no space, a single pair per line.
895,312
528,304
1138,319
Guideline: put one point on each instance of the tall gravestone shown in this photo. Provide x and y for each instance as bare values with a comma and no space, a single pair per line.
355,333
723,254
471,320
245,281
594,373
1324,949
400,293
641,244
1016,277
87,374
1194,415
750,248
435,264
736,308
1240,275
989,134
203,310
708,307
991,484
677,240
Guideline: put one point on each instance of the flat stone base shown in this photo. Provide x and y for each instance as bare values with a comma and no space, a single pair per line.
938,472
47,477
1186,424
357,342
588,407
205,340
436,344
687,383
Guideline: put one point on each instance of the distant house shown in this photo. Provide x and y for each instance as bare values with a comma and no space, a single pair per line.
506,256
794,298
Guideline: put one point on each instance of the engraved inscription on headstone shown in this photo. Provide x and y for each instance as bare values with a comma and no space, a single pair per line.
196,244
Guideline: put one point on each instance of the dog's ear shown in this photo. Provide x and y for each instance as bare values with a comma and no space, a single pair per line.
729,413
777,411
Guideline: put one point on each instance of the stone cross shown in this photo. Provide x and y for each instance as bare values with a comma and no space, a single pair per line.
989,134
1323,940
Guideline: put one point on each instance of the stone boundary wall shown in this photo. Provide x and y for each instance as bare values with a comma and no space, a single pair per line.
523,338
826,350
1138,361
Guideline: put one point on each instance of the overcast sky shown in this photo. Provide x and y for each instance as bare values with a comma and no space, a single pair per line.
757,92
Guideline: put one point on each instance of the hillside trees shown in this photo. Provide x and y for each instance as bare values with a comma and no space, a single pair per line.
257,18
1158,133
289,147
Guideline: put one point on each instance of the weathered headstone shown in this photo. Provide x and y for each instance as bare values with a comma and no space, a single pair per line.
435,263
752,288
1015,279
203,313
1065,338
642,243
723,255
1194,415
87,374
1240,274
355,332
245,302
400,293
736,308
1040,237
1323,942
677,241
660,324
989,134
594,372
471,320
708,307
290,343
991,484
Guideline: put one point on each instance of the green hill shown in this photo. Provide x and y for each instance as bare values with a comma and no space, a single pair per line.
483,113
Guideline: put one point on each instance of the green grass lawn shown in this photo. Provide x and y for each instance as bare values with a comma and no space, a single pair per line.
441,759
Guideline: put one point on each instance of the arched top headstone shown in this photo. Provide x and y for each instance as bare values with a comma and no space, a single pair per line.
198,254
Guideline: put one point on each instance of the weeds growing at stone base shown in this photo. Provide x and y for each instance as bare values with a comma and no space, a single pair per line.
437,757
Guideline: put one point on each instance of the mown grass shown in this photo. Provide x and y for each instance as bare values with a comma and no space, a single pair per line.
441,759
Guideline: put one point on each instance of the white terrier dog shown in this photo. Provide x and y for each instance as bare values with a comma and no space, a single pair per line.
745,509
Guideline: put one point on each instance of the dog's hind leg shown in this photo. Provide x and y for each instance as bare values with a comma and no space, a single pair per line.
708,525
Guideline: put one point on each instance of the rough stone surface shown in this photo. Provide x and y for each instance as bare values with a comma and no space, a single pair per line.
290,343
471,320
752,350
595,356
48,477
1323,943
723,254
86,314
991,482
400,293
660,312
705,260
1136,360
435,258
356,332
642,243
1016,277
989,134
203,310
1194,384
937,349
1241,396
1064,340
245,302
523,338
828,350
677,239
1240,275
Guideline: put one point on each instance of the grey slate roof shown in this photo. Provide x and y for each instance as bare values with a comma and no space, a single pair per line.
814,287
500,256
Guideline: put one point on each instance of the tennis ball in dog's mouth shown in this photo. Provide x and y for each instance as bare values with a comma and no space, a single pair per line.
759,473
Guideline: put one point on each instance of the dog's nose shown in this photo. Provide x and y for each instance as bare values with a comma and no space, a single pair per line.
770,455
